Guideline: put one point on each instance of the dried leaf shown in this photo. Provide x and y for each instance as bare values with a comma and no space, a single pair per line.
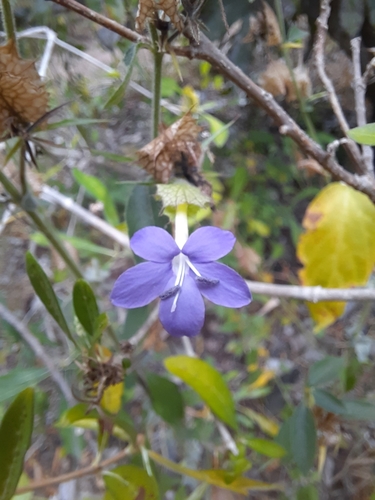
176,152
277,80
147,9
311,167
23,97
264,25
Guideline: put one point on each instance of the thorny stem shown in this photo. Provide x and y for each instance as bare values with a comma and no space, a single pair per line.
42,225
156,84
8,21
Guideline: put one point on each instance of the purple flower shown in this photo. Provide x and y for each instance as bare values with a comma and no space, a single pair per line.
180,277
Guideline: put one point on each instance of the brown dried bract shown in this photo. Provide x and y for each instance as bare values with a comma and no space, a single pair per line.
159,156
147,9
264,25
23,97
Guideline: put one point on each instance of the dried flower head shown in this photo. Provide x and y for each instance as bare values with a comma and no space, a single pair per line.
147,9
264,25
23,97
175,152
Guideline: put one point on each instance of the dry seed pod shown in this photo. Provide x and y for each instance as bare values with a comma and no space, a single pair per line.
177,152
148,8
264,25
23,97
159,156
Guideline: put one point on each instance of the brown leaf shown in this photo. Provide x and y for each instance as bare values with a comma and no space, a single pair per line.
264,25
311,166
23,97
247,258
147,9
159,157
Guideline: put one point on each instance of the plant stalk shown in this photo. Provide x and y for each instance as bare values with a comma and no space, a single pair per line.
8,21
156,84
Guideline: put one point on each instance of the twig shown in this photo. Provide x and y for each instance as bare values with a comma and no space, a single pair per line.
85,471
360,101
312,293
334,145
103,21
37,347
143,331
51,195
322,28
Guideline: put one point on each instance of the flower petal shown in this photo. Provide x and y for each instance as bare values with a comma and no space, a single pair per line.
208,243
188,317
231,291
154,244
141,284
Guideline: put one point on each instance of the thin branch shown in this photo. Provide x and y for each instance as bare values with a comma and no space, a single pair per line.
322,28
85,471
312,293
360,101
103,21
51,195
37,347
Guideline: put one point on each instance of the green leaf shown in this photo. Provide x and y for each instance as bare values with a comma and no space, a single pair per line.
207,382
363,135
216,477
99,191
265,447
357,409
326,371
44,291
328,402
119,94
129,482
18,379
73,122
85,306
218,130
80,416
166,398
111,156
307,493
303,438
85,246
338,247
180,192
15,437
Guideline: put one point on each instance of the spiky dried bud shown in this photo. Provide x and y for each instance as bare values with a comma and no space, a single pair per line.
23,97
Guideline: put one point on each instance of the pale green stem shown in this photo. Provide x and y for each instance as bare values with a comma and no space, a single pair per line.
181,231
156,84
8,20
42,225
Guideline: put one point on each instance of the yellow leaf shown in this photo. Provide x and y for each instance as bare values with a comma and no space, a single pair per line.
268,426
111,400
338,248
216,477
262,380
190,98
